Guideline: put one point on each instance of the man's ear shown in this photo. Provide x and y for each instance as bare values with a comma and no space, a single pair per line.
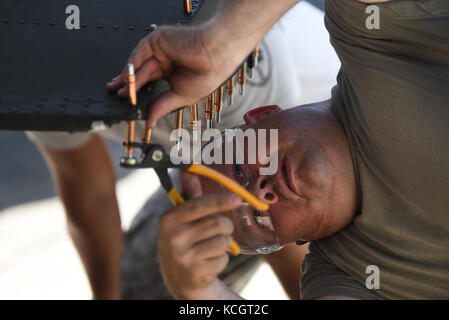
191,185
255,115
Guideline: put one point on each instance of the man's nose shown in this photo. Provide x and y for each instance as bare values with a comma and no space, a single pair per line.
263,189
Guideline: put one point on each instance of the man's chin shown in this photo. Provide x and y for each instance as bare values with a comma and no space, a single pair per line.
268,249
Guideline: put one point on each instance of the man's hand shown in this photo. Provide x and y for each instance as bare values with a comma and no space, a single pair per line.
193,242
197,60
179,55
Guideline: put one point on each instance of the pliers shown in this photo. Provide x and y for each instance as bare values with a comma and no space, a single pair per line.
154,156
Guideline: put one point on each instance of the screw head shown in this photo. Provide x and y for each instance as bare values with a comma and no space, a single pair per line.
128,160
131,161
157,155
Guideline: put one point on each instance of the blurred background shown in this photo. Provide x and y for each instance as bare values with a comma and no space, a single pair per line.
37,258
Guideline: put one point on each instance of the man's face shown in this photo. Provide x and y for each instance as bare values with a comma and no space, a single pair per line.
300,192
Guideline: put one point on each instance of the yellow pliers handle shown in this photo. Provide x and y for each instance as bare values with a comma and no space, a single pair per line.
229,184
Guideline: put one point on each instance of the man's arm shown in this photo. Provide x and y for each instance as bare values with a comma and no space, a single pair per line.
86,183
196,60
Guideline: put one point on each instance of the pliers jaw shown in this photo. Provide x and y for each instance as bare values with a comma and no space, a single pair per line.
152,156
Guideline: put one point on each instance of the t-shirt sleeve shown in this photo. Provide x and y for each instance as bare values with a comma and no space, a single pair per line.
59,140
321,278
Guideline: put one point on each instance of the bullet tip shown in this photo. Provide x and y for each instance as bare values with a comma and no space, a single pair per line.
130,69
209,124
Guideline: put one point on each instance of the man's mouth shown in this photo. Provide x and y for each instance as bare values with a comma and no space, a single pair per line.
263,220
285,179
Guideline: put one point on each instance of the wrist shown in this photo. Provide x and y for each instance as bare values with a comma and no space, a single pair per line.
240,25
222,47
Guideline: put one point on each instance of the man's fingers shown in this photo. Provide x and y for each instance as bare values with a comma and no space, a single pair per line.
212,248
209,227
145,74
191,185
118,82
149,71
215,265
207,205
142,52
138,57
164,104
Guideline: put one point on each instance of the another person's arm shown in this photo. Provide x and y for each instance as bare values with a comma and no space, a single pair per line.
86,183
196,60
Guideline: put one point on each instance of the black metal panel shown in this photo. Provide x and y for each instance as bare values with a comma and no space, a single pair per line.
53,78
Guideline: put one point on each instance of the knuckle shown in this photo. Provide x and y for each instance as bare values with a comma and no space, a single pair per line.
222,201
196,275
228,226
218,222
224,242
221,243
201,276
194,206
183,260
207,279
176,239
223,261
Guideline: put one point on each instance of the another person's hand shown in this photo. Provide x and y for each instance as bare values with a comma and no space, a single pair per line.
193,243
186,58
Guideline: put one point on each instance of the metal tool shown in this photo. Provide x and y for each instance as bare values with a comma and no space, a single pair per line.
132,85
209,105
230,84
218,103
130,125
256,54
178,126
251,64
194,122
242,78
188,7
148,132
154,156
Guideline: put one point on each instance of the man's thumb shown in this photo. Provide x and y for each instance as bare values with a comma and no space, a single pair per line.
162,105
191,185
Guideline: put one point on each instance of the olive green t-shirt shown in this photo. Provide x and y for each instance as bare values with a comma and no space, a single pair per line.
392,100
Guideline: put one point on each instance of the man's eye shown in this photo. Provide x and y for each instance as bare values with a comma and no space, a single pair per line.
239,171
239,174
